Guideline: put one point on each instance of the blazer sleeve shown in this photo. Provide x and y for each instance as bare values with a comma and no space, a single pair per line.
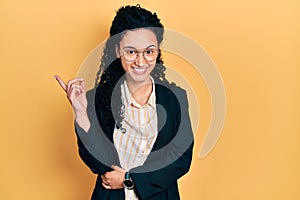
95,149
176,157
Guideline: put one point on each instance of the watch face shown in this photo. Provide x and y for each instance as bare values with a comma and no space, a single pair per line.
128,183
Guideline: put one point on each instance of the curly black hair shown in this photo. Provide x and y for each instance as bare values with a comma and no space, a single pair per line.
111,71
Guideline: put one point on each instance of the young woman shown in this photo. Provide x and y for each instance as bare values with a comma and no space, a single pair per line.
133,128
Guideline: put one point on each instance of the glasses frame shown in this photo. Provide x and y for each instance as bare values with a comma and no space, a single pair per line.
123,53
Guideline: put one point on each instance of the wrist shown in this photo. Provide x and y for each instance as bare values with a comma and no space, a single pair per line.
80,114
128,183
83,121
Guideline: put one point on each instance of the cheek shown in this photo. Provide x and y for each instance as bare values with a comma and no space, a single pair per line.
125,66
152,67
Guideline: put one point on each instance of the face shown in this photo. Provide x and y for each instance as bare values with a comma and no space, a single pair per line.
137,51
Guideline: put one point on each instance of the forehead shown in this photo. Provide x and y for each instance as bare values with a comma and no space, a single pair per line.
139,38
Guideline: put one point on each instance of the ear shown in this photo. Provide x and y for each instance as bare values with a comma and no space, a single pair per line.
117,51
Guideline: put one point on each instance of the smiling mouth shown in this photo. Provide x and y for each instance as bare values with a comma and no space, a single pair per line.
139,70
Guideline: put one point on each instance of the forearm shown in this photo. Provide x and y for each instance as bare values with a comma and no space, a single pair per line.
96,151
152,182
84,145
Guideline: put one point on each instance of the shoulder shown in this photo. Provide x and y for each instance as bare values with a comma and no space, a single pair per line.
169,93
90,96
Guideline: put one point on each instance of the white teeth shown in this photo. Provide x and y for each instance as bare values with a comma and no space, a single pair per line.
139,70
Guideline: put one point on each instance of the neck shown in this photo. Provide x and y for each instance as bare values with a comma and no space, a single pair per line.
140,91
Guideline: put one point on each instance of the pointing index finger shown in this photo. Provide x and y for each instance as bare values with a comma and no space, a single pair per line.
61,83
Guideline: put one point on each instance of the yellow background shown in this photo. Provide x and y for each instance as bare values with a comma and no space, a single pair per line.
255,45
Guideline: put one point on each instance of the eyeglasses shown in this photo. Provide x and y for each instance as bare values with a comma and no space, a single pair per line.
131,54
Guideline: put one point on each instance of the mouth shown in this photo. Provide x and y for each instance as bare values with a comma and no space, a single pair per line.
139,70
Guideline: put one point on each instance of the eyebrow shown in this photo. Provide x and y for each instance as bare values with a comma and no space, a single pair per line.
131,47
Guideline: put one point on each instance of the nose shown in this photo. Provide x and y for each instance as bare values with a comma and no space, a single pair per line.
140,60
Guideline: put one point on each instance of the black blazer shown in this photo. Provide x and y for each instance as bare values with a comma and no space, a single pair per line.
169,159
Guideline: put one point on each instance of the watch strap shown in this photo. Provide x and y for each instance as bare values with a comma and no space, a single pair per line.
127,175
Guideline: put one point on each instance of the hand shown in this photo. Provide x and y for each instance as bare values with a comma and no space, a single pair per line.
75,90
113,179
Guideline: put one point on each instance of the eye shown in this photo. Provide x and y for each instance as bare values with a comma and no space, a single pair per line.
149,51
130,51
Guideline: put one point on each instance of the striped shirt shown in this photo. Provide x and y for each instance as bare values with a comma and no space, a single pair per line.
139,131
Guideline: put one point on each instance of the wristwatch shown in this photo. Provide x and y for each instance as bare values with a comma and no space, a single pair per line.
128,183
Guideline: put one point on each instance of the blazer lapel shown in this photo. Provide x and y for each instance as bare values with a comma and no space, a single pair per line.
163,121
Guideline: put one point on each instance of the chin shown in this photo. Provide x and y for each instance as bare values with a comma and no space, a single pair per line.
139,75
139,79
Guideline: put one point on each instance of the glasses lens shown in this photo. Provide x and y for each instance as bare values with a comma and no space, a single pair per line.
130,54
150,54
